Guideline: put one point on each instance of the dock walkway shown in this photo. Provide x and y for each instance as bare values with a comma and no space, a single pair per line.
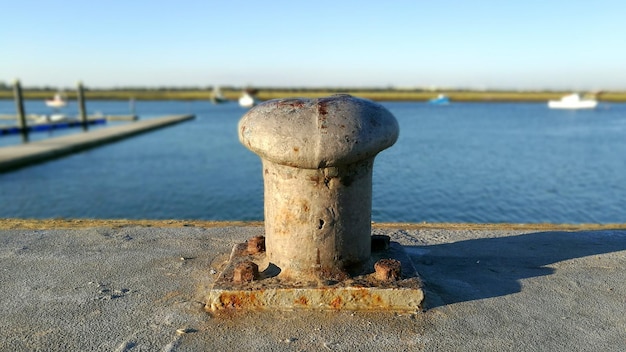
16,156
121,286
51,125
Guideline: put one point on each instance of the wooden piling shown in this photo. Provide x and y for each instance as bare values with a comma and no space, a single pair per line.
81,105
19,106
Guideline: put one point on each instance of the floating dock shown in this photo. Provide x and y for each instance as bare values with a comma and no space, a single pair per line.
17,156
52,125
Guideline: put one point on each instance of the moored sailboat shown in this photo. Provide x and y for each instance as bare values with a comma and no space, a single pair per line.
57,102
247,98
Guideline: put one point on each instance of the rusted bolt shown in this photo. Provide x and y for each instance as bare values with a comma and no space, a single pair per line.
256,245
317,158
246,271
388,269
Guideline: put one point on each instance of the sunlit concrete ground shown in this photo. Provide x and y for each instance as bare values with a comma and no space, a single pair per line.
138,286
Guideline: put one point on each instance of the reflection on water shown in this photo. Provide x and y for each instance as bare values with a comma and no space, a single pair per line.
458,163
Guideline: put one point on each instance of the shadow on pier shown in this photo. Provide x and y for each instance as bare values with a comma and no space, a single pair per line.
491,267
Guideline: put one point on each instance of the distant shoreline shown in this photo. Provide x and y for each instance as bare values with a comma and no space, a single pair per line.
275,93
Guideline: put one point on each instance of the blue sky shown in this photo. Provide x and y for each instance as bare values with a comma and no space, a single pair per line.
531,44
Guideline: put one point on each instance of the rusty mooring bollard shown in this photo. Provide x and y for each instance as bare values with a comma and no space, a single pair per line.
317,158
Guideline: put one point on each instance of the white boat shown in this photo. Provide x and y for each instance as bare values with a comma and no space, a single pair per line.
56,102
54,118
247,100
573,101
217,96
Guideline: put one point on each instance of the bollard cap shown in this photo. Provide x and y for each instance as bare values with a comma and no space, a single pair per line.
317,133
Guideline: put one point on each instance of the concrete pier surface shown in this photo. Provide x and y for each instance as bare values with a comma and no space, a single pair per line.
17,156
78,285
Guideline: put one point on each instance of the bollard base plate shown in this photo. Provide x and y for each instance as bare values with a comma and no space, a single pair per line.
361,291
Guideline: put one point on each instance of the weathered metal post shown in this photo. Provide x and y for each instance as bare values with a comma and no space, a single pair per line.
131,106
19,106
318,251
317,168
81,105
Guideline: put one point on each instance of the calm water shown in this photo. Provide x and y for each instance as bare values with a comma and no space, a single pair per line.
466,162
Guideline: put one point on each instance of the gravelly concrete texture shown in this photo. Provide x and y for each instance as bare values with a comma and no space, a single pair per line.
140,289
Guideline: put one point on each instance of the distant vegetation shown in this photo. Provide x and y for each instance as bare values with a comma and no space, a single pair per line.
266,93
